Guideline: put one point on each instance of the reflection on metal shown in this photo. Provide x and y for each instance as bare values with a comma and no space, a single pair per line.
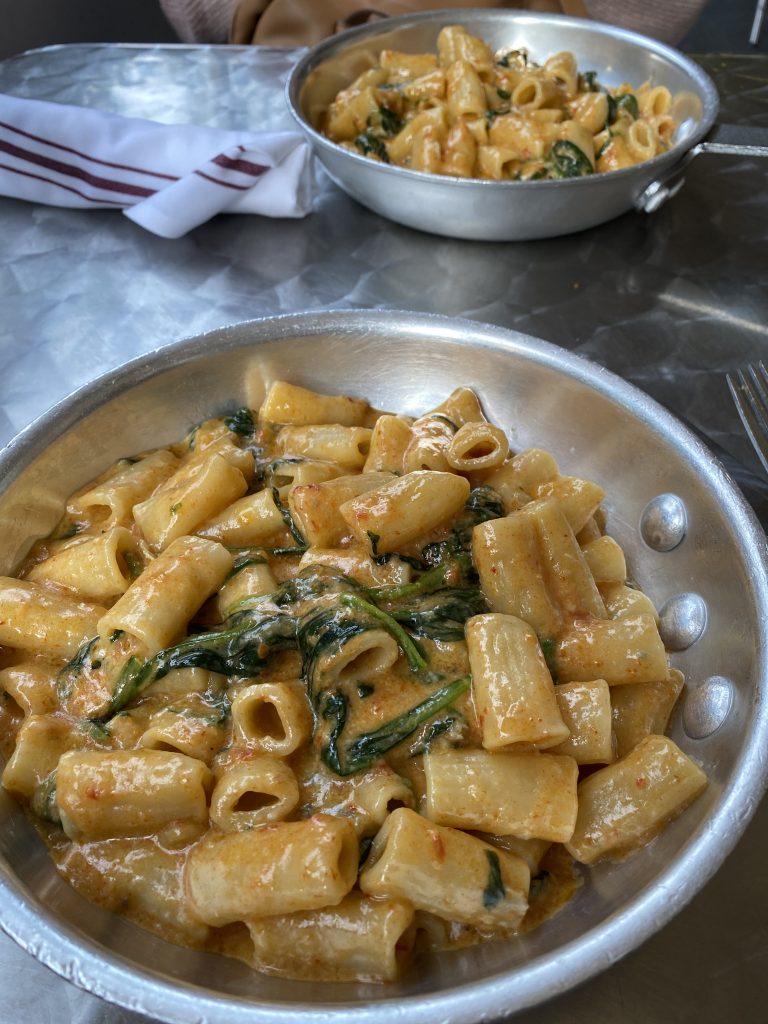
707,707
663,522
682,621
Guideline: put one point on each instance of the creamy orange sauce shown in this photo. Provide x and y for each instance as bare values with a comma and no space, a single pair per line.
143,876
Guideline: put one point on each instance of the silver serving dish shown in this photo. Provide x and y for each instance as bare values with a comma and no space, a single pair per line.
592,421
492,210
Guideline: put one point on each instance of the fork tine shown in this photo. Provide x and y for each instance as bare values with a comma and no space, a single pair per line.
749,389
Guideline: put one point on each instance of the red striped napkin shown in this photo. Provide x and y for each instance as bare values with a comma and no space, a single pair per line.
167,178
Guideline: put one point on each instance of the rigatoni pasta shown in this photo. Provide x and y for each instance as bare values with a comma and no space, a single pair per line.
468,113
316,685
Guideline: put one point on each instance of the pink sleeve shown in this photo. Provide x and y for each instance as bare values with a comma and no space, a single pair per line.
200,21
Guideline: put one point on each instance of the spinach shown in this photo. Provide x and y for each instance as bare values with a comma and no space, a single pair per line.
245,557
241,650
454,722
68,675
494,891
445,419
627,103
568,161
288,520
241,422
549,650
442,615
43,802
134,564
335,709
70,531
390,122
369,747
504,94
450,569
312,583
324,633
416,657
482,504
589,82
365,690
371,145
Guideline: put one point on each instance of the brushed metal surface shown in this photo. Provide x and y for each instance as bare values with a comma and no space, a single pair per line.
499,210
539,394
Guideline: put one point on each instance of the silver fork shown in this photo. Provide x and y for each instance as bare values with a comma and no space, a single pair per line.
749,388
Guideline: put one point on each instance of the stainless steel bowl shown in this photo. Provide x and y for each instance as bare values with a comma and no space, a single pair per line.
542,395
499,210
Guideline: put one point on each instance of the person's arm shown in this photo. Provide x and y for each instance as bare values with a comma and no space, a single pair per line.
200,21
658,18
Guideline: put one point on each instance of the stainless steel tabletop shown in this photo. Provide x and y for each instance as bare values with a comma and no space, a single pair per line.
669,301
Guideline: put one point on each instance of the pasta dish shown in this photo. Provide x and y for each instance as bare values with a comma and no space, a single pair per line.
321,687
469,113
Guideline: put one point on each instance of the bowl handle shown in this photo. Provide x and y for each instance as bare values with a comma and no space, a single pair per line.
729,139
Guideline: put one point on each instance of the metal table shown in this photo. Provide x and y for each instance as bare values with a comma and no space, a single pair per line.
669,301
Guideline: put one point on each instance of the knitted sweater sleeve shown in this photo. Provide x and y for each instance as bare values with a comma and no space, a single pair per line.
200,21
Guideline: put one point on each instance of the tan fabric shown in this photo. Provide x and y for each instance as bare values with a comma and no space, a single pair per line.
305,22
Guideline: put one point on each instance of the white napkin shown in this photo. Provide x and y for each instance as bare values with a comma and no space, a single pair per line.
167,178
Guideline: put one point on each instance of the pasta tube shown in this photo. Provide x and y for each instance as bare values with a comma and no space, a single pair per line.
275,869
624,805
447,872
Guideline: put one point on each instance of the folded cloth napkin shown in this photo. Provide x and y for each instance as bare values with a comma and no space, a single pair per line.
168,177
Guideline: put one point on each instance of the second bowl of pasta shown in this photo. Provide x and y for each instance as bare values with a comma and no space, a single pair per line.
498,125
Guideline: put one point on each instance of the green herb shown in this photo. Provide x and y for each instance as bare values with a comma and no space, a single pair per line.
626,103
390,122
442,615
245,557
504,94
568,161
241,422
433,579
374,538
96,731
70,672
369,747
115,635
371,145
604,146
312,583
445,419
549,650
323,634
70,531
175,508
242,650
288,520
335,710
365,690
453,722
412,651
134,563
589,82
43,802
494,891
482,504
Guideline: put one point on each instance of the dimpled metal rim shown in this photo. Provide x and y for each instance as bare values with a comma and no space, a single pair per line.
101,972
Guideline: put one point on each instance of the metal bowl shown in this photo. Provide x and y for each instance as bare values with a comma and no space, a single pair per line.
542,395
499,210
